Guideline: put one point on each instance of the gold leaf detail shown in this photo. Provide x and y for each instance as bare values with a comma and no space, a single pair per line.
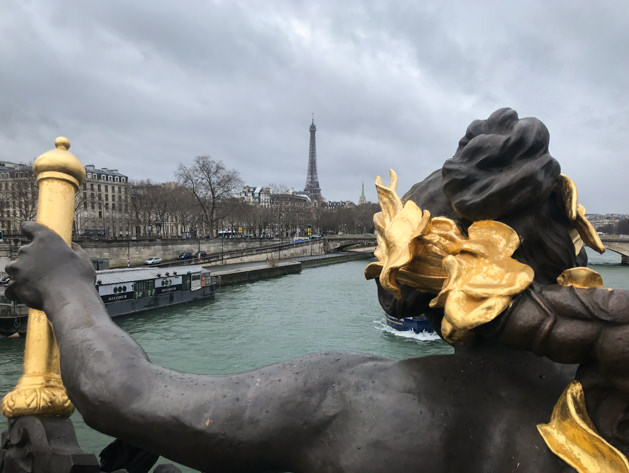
38,400
571,435
397,226
576,214
580,277
482,277
474,277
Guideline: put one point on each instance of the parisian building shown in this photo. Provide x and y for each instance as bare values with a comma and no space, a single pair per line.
18,196
101,209
103,204
256,195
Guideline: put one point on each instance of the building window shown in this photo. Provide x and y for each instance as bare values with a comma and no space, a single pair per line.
106,188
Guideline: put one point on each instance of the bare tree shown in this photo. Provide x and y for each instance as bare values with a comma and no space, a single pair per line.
19,196
141,207
185,212
210,182
80,203
278,188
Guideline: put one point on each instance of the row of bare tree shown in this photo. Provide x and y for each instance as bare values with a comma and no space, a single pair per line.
201,202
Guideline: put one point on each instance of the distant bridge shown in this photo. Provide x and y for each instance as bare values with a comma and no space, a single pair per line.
344,242
617,245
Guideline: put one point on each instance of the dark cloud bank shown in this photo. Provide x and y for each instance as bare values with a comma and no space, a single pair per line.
142,87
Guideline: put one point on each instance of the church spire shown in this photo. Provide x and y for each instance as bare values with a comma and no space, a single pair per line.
362,200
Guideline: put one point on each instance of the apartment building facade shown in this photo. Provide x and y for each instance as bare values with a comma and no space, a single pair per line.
102,204
18,196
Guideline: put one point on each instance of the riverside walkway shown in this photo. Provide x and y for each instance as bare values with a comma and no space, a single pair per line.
235,273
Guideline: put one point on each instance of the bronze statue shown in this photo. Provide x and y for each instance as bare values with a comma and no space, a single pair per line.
478,247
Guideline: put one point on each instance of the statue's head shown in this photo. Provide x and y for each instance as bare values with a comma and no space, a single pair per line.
502,170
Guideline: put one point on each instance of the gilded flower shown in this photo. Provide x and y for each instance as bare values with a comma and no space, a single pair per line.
482,279
474,277
397,226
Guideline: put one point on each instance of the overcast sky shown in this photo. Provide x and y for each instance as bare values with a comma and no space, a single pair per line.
143,86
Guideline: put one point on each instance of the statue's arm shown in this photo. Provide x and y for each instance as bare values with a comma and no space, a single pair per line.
262,420
569,325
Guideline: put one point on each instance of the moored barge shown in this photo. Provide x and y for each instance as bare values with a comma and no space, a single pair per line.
128,291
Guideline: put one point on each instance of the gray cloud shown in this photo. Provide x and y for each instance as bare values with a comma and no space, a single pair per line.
142,86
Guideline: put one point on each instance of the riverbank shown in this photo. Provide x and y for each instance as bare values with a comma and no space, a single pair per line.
229,274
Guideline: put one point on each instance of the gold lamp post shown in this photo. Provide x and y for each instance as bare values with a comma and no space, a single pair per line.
40,390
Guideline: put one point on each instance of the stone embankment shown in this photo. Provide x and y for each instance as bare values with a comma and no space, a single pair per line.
248,272
272,255
219,251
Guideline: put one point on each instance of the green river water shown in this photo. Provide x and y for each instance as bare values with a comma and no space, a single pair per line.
250,325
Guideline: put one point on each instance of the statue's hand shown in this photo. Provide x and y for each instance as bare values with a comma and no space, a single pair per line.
45,267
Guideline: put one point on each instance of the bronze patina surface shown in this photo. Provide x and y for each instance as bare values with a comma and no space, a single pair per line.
486,247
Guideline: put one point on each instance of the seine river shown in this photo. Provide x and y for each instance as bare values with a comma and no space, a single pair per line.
246,326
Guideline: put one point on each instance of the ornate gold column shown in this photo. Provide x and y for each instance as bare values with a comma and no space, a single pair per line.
40,390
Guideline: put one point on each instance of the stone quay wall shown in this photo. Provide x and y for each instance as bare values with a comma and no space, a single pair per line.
234,250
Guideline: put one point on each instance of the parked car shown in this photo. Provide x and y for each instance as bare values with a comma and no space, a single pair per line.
185,255
153,260
200,254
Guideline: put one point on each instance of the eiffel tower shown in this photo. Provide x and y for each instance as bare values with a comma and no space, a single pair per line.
312,188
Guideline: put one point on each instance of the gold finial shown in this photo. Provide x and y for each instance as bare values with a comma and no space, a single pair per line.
40,390
60,160
62,142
